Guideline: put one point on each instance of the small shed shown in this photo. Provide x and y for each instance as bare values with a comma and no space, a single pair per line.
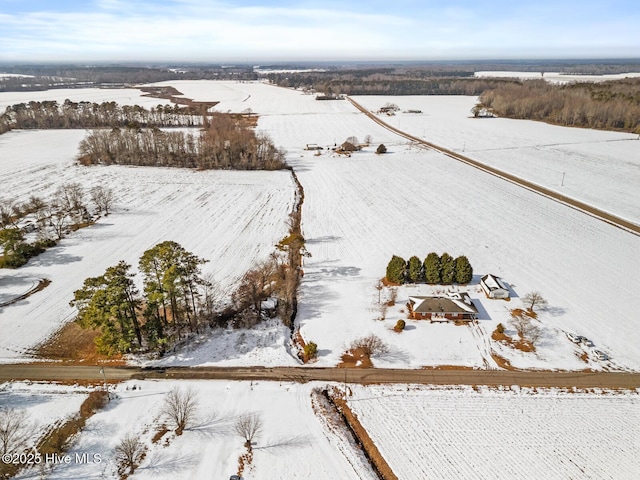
494,287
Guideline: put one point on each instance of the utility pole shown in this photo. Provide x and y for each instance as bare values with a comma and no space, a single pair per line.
563,174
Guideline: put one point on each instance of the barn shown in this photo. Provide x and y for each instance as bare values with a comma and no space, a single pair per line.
458,307
493,287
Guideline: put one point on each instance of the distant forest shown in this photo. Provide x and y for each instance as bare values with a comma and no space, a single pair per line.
613,105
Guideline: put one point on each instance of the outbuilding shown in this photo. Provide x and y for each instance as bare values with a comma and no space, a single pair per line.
494,287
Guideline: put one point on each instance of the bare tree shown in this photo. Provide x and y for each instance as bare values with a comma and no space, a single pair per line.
103,198
129,453
180,407
370,345
15,430
379,287
248,427
70,198
525,328
534,299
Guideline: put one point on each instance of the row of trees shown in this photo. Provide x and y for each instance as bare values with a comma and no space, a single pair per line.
48,219
606,105
175,299
227,143
434,269
51,114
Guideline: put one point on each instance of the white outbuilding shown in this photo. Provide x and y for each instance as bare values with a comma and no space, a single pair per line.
494,287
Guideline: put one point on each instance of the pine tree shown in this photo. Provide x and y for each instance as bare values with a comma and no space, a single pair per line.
464,271
448,266
415,272
109,303
396,270
432,268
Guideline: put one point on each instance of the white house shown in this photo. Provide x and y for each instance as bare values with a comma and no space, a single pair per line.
494,287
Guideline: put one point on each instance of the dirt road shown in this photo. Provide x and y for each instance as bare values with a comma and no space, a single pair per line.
576,204
72,373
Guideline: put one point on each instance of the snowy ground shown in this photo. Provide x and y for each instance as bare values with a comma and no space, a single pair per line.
600,168
45,404
358,212
123,96
294,442
458,432
233,219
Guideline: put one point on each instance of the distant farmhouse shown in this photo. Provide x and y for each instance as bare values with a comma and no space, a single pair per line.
493,287
457,307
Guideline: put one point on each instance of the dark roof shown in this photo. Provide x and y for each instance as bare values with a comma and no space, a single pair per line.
461,304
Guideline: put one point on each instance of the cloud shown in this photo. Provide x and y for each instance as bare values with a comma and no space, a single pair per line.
260,29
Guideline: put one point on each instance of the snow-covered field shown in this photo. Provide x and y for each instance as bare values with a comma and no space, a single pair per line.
123,96
233,219
293,443
358,212
600,168
421,431
459,432
44,404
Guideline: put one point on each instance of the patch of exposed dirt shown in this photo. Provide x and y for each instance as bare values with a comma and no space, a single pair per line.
522,345
355,358
74,344
501,361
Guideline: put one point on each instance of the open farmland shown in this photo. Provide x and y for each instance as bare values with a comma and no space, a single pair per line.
293,442
358,211
502,434
233,219
599,168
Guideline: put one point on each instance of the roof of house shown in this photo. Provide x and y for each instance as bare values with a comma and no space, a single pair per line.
458,303
492,282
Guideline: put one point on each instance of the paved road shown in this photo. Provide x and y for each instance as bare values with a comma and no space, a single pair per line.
576,204
71,373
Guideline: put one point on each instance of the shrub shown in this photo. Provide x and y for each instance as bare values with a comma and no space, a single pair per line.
381,149
500,328
400,324
310,351
370,345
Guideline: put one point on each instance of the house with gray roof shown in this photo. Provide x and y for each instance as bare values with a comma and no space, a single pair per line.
456,307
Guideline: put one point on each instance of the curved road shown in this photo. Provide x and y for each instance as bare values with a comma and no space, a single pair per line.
576,204
73,373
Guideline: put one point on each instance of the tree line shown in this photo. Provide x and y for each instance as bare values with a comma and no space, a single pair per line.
84,114
47,219
226,142
612,105
434,269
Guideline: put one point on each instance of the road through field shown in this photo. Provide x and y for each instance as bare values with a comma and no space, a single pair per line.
544,379
576,204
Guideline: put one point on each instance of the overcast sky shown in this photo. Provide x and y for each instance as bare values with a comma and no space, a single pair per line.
280,30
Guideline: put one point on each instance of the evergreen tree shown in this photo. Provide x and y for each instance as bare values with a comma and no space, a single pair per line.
432,268
464,271
448,266
109,303
415,272
396,270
